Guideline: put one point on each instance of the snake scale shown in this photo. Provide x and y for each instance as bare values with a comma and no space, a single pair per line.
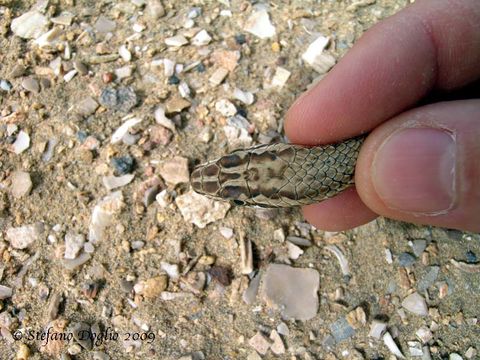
279,175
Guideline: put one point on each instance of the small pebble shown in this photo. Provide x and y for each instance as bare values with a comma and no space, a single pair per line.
175,171
23,352
415,303
419,246
87,106
406,260
471,257
21,143
21,184
123,165
173,80
24,236
260,343
30,84
5,85
240,39
104,25
122,99
5,292
341,330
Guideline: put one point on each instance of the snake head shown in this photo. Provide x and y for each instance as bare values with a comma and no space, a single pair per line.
223,179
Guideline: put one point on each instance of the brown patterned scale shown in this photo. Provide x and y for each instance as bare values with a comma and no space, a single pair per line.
279,175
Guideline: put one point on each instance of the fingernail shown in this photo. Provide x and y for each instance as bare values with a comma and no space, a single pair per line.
414,171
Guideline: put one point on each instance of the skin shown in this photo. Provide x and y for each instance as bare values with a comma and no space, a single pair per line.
431,47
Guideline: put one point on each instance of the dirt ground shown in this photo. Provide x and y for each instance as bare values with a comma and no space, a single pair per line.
196,310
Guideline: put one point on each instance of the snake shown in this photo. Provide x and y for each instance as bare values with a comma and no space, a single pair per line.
279,175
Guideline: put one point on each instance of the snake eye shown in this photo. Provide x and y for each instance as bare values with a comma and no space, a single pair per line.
239,202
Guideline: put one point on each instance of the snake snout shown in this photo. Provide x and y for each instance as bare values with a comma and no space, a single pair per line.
196,179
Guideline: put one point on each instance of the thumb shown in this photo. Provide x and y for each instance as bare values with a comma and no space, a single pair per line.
423,166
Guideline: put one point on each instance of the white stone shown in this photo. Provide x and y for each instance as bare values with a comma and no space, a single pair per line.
226,232
168,67
22,142
183,89
377,329
124,72
103,215
21,184
73,244
113,182
294,251
125,54
171,270
280,77
277,347
200,210
244,96
415,303
259,24
123,129
5,292
50,38
69,76
293,291
225,107
177,40
415,348
424,334
162,119
23,236
138,28
175,171
30,25
260,343
163,198
201,38
218,76
392,346
314,51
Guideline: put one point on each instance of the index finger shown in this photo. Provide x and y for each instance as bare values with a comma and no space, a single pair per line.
430,44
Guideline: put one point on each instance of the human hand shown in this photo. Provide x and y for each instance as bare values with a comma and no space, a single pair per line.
420,165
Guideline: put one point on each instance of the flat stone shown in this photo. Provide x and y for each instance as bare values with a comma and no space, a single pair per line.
291,290
177,40
122,99
341,330
155,9
259,24
428,279
419,246
176,104
5,292
415,303
114,182
260,343
87,106
21,184
175,171
200,210
406,260
153,287
30,25
73,244
22,142
24,236
104,25
277,347
30,84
